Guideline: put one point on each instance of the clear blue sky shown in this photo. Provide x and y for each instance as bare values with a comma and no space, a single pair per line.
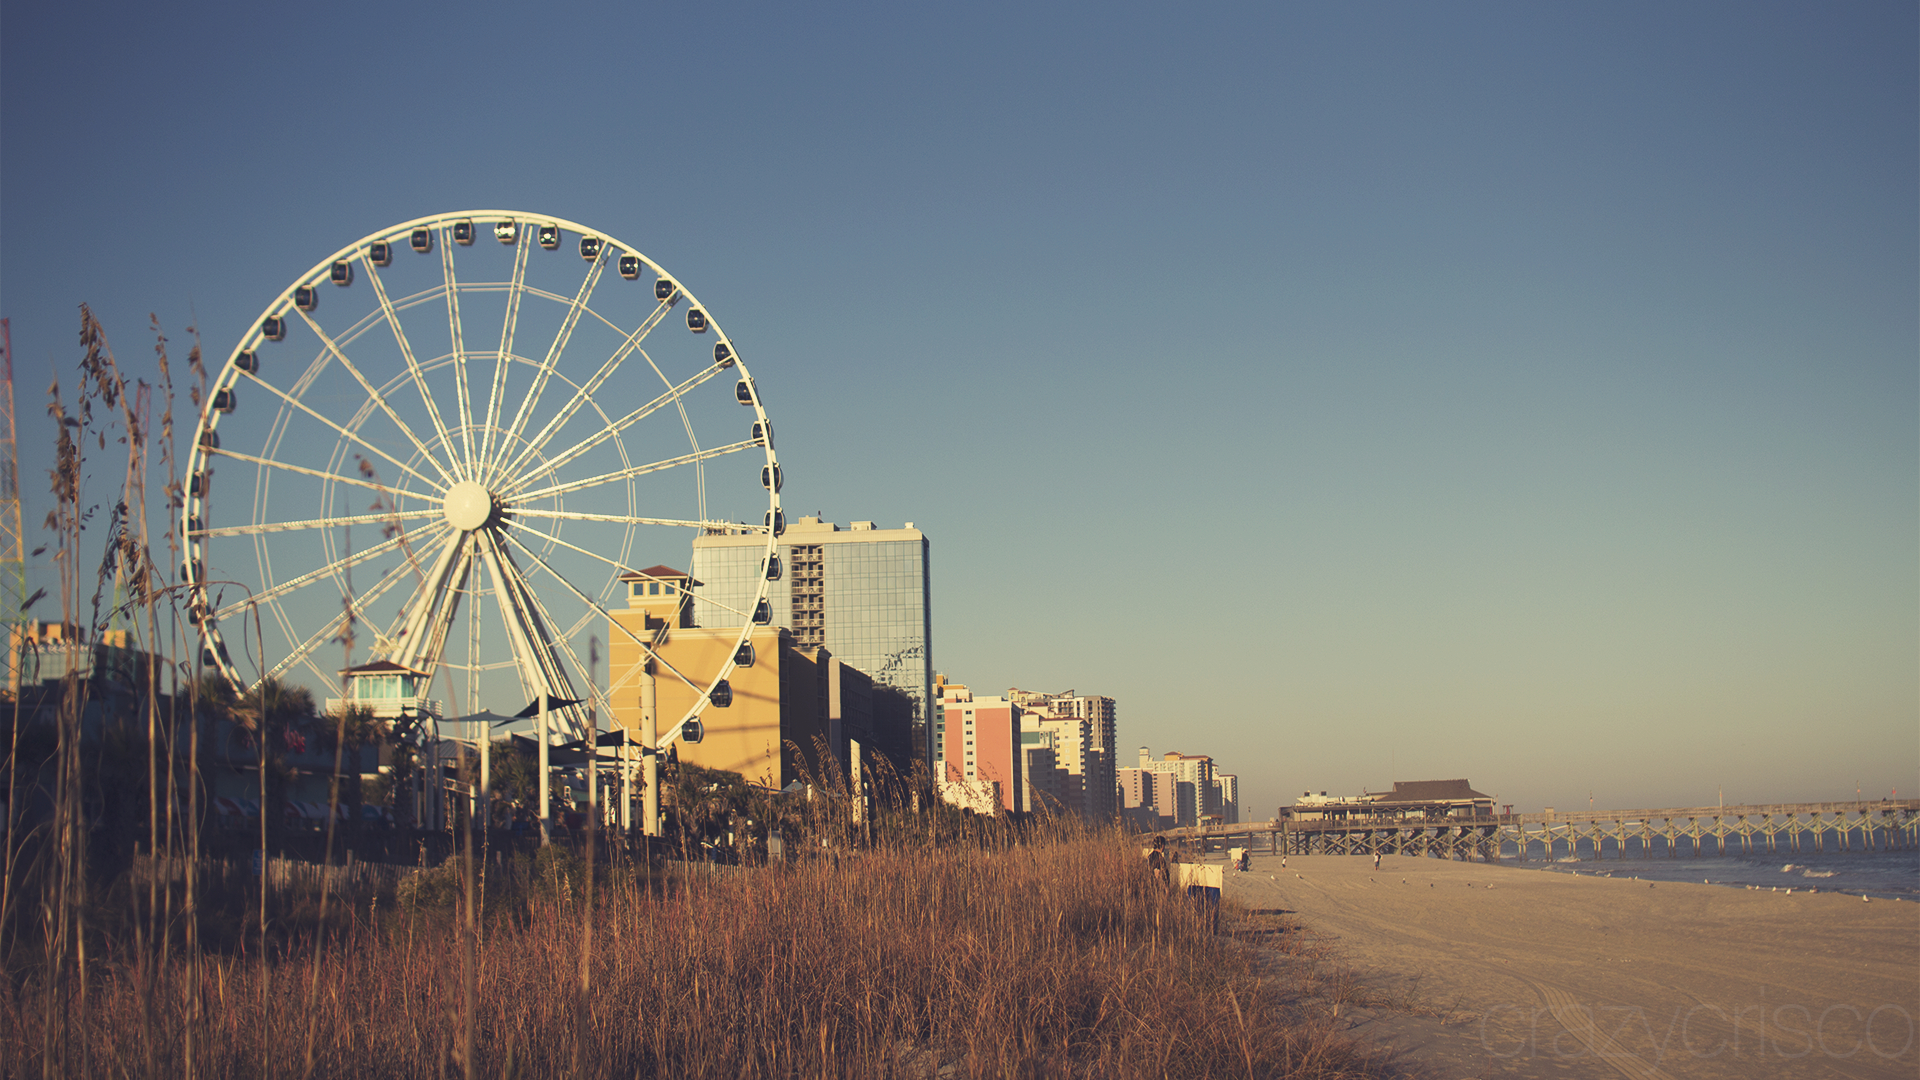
1520,392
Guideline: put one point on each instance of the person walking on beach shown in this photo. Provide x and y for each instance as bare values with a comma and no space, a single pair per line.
1376,860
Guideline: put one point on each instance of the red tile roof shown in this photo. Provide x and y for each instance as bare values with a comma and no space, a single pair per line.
655,572
379,666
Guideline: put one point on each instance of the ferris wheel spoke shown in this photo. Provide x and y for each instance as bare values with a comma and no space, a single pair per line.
334,567
585,392
421,629
699,691
629,473
545,372
373,393
619,426
497,392
625,519
616,564
356,609
528,635
311,523
413,365
321,474
458,336
562,641
352,436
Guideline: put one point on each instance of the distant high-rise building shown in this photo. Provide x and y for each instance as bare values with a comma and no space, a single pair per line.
982,760
1195,794
1093,770
864,594
1226,788
1070,740
1143,795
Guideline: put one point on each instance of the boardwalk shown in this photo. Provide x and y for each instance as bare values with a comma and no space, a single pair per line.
1883,825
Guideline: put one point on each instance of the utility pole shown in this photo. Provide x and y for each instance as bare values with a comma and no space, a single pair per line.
13,563
546,831
649,751
593,732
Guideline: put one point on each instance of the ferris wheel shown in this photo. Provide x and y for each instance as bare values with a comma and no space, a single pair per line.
450,446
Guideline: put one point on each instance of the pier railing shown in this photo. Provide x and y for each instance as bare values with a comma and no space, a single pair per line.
1880,825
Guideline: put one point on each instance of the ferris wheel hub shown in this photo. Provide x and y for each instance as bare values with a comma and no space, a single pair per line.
468,505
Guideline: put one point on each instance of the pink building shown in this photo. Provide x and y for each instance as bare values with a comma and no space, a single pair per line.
980,745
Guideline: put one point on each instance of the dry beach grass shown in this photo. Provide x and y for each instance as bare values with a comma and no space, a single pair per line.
1049,959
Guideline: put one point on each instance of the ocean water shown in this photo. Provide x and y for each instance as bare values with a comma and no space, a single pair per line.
1885,874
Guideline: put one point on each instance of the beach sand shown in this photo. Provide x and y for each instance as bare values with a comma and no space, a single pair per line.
1477,970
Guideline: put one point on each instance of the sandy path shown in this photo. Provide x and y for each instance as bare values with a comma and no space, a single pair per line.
1518,973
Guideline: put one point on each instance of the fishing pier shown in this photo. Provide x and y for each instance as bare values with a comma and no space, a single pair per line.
1672,832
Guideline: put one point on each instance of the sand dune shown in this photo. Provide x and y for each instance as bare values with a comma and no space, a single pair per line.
1490,971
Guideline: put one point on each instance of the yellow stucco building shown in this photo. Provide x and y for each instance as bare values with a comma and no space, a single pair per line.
781,694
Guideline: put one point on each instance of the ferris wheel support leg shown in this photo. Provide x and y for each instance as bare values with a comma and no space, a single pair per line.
649,751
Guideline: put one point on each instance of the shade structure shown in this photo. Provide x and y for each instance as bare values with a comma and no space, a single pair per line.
563,755
490,718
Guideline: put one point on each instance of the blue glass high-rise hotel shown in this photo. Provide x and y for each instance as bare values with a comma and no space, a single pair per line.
864,593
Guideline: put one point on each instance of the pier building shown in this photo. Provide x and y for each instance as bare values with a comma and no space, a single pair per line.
1408,799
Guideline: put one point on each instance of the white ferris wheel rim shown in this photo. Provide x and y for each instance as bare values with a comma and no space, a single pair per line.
469,485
